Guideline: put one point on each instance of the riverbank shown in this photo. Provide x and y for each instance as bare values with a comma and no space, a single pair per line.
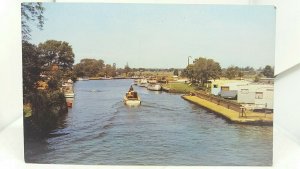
178,88
232,115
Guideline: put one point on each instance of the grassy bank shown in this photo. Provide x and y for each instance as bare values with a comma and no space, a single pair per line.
179,87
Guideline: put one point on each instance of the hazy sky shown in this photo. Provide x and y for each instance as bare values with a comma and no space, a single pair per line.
163,36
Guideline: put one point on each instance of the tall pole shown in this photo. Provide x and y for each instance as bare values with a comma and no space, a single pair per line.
189,59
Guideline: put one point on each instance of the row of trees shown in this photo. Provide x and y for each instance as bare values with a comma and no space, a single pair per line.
203,69
97,68
50,62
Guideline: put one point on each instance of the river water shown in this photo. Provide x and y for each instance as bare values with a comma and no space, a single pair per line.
164,130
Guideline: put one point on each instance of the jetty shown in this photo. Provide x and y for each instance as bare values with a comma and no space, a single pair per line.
235,116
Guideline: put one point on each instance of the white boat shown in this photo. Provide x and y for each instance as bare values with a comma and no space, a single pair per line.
83,79
67,88
69,95
143,83
106,78
154,87
131,98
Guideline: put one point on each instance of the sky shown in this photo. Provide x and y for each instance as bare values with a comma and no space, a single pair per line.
162,35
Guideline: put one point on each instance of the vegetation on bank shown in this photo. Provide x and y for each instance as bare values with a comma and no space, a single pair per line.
203,69
179,87
49,63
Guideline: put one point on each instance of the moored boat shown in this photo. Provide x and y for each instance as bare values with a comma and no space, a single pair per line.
67,88
69,95
154,87
136,81
131,98
82,78
143,83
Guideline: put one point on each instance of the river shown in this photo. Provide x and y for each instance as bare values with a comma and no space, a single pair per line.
164,130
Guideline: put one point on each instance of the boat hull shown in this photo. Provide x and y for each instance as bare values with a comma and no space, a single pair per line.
154,87
132,102
69,95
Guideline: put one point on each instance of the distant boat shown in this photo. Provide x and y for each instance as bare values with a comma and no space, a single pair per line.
143,83
83,79
131,98
106,78
136,81
154,87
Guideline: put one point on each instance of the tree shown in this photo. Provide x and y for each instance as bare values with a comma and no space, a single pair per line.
257,77
31,12
175,72
232,72
206,69
89,68
189,72
127,69
268,71
110,70
55,52
203,69
31,67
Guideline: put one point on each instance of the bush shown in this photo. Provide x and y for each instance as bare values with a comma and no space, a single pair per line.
47,108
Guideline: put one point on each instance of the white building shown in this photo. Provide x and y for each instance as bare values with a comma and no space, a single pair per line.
256,96
226,85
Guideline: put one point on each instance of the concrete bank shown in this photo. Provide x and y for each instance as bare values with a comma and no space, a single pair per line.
251,117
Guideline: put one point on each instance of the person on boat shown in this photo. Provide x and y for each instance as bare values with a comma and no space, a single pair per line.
131,93
130,89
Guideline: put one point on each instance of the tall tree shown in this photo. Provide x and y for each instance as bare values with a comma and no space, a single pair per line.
232,72
55,52
109,70
205,69
189,72
268,71
127,69
31,67
31,13
175,72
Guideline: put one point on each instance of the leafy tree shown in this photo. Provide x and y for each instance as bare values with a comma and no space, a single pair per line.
268,71
31,12
127,69
206,69
202,70
175,72
240,74
257,77
58,53
89,68
110,70
31,67
188,72
232,72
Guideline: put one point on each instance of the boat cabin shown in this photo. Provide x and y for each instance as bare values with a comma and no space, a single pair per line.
131,95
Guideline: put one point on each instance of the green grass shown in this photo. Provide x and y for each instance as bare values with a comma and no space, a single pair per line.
180,87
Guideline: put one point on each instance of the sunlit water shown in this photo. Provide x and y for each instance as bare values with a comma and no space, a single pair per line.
164,130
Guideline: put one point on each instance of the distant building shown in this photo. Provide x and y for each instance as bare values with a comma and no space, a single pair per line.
219,86
254,96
